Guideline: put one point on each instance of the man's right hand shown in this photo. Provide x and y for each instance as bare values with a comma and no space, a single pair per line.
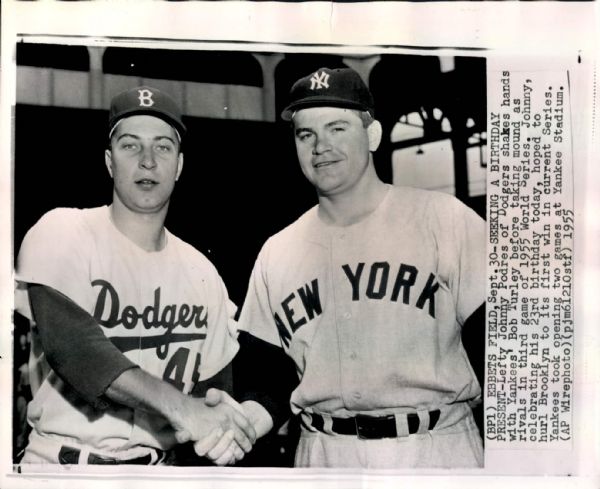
212,425
190,417
220,449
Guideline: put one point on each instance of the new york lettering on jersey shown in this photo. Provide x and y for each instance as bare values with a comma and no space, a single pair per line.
376,281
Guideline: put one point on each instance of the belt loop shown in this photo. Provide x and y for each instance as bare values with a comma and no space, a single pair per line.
84,454
156,456
401,424
307,421
423,421
327,424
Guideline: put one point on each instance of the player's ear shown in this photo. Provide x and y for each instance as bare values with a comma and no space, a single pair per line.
374,131
179,165
108,161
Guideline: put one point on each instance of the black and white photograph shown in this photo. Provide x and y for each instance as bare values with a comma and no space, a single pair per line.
381,321
235,259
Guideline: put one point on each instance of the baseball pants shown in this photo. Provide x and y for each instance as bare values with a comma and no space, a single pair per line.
454,442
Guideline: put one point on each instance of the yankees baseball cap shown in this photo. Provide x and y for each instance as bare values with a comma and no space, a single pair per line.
145,100
339,87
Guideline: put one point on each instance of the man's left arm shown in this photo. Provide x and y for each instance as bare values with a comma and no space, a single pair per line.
100,373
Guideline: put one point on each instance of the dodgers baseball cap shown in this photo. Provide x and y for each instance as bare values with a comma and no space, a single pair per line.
145,100
339,87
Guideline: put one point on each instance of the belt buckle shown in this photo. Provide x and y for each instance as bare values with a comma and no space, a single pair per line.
375,427
361,430
365,430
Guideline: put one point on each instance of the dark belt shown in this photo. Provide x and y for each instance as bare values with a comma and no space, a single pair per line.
373,427
70,455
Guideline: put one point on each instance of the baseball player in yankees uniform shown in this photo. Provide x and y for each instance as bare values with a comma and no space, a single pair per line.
127,319
367,293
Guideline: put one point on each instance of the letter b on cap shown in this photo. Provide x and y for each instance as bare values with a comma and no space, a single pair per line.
145,98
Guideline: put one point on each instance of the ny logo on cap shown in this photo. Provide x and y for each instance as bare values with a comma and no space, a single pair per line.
145,98
319,80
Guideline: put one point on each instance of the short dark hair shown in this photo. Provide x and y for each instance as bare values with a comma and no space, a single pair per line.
366,117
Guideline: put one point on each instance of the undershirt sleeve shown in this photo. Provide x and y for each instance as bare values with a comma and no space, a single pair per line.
75,346
264,373
223,380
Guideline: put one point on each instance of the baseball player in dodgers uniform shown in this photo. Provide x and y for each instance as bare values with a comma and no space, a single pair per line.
127,318
367,293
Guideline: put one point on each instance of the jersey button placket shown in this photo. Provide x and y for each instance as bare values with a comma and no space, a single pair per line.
344,322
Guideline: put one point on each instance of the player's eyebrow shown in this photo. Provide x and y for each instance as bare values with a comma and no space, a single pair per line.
300,130
135,136
327,125
337,122
158,138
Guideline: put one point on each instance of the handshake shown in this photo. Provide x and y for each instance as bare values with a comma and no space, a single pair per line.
222,429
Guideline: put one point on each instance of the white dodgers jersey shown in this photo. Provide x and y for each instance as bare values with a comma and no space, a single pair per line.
167,311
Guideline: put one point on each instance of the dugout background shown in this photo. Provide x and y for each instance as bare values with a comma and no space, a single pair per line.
241,182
